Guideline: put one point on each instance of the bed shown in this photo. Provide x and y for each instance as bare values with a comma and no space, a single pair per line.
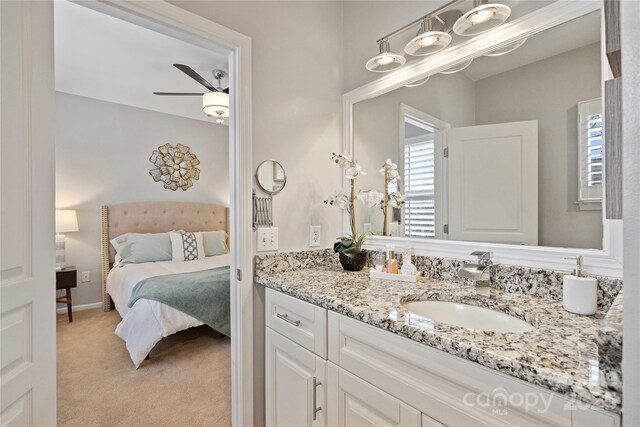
147,321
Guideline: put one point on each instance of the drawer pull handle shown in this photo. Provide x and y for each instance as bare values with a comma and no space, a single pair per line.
316,409
285,317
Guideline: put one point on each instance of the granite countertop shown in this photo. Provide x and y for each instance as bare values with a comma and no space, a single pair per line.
610,344
561,354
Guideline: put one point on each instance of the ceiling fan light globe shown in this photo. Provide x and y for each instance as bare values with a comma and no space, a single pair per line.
216,104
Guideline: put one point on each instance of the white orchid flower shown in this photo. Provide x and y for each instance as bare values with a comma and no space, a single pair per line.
389,167
370,198
352,172
393,175
338,199
396,199
343,160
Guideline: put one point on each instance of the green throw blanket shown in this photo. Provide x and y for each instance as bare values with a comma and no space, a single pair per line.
203,295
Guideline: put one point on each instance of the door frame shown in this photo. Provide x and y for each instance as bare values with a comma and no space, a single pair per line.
441,167
176,22
607,262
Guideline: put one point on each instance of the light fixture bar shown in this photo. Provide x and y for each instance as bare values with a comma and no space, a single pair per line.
416,22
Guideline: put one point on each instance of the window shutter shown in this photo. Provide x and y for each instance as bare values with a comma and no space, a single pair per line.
419,188
591,142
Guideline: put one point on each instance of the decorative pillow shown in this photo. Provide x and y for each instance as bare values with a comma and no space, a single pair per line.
186,246
134,248
215,242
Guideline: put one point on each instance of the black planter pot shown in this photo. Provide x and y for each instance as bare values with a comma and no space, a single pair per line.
355,263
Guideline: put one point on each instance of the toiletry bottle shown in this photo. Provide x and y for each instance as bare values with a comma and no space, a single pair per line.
579,293
407,263
392,262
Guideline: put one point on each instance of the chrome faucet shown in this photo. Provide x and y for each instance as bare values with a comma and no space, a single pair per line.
479,272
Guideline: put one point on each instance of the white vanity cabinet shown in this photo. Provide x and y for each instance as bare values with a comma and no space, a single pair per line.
295,362
295,384
326,369
354,402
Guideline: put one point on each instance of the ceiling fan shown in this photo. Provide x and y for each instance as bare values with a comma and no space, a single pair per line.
215,103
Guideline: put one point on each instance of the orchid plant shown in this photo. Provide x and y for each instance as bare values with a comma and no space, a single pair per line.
396,199
373,198
348,245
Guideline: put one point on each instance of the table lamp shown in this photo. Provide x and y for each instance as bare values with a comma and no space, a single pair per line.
66,222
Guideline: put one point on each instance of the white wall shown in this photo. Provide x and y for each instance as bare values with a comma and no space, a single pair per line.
102,157
548,91
297,89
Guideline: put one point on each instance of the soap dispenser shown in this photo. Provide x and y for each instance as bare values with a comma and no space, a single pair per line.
579,293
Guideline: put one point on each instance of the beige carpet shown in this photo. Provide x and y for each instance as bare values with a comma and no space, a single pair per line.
187,381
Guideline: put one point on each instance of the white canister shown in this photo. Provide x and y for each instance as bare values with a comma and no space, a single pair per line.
580,294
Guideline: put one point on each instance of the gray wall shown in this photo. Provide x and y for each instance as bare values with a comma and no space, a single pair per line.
548,91
102,157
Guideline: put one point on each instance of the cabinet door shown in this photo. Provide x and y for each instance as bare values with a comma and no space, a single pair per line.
355,403
295,381
430,422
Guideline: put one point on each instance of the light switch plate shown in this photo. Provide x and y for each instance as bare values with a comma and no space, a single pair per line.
267,239
314,236
85,276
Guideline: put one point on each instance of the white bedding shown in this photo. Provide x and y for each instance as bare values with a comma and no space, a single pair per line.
147,322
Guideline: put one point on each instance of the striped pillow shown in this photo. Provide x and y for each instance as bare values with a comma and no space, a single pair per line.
186,246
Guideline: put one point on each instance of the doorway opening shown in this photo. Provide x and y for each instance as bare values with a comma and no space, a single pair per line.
115,145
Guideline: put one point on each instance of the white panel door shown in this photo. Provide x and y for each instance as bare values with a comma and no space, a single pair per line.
356,403
27,256
295,384
493,183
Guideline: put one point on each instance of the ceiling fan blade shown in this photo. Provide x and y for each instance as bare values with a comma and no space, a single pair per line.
195,76
178,94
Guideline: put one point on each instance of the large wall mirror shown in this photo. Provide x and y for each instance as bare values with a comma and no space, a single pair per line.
506,147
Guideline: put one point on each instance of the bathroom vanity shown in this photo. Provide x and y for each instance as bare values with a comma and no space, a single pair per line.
344,350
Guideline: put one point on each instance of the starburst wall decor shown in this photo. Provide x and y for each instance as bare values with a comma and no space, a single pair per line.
174,166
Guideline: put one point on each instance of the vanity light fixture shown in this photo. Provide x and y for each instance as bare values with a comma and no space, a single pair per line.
483,17
506,49
458,67
386,60
427,41
418,83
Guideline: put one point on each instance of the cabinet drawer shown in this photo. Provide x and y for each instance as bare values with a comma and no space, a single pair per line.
301,322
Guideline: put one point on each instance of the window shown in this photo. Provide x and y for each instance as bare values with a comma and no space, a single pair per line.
590,131
419,186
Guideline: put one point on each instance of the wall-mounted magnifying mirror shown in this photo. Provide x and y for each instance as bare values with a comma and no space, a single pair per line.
271,176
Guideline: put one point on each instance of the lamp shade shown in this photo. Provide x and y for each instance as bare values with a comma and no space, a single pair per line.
386,60
481,19
216,104
66,221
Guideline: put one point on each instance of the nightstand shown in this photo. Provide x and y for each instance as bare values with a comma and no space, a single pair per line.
66,278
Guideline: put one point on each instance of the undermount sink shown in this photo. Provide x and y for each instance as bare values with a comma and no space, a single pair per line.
468,316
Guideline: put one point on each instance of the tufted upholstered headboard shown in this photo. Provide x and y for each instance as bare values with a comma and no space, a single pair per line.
154,217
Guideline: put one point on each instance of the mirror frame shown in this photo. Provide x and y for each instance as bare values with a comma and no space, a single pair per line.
271,193
606,262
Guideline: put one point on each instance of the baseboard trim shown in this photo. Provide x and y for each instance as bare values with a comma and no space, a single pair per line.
80,307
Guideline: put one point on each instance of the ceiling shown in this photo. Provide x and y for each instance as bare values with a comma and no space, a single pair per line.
568,36
102,57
